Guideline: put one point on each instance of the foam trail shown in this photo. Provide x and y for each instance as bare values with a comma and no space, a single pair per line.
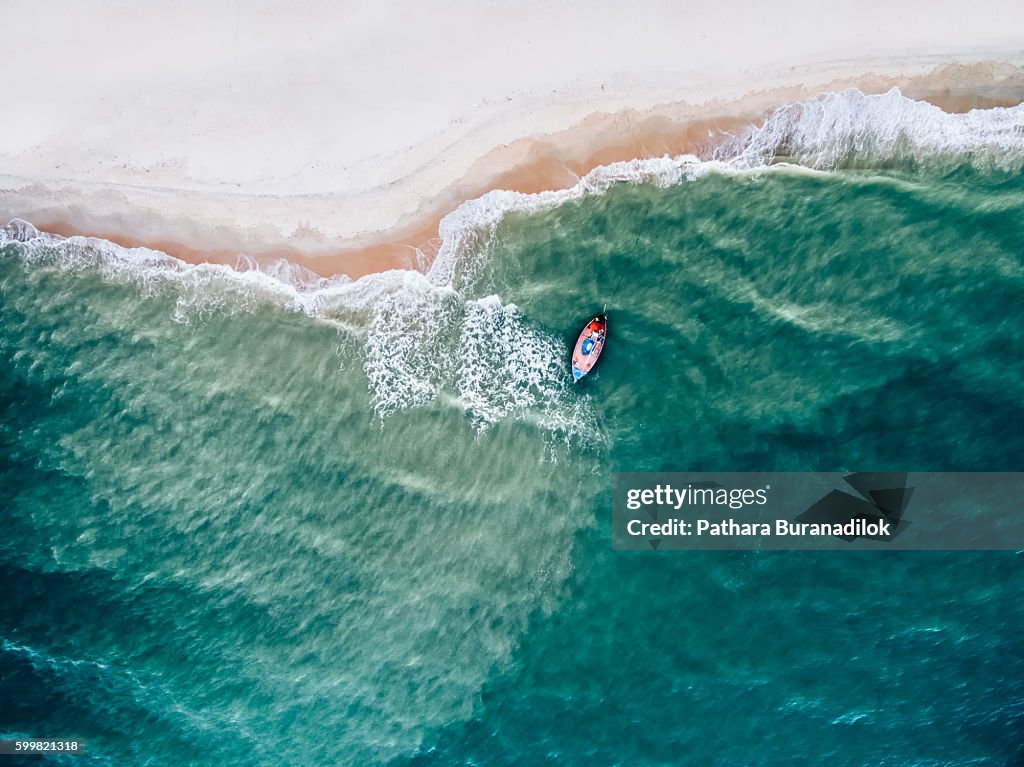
505,368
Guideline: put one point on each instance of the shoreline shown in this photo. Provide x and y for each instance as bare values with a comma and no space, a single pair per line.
179,221
415,244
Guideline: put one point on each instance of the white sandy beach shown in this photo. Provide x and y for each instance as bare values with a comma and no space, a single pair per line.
316,130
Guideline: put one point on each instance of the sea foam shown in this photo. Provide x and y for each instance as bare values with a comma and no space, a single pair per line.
427,332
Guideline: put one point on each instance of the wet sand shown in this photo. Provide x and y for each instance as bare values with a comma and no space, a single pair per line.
529,165
533,166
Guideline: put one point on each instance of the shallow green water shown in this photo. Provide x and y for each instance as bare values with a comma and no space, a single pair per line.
244,525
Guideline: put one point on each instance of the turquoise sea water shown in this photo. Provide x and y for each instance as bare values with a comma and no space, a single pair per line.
255,523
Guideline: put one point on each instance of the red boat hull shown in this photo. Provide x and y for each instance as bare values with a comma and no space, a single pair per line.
589,347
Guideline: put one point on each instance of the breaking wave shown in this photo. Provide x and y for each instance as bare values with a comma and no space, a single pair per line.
851,129
424,333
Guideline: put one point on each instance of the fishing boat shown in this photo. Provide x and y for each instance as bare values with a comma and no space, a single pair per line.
588,347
